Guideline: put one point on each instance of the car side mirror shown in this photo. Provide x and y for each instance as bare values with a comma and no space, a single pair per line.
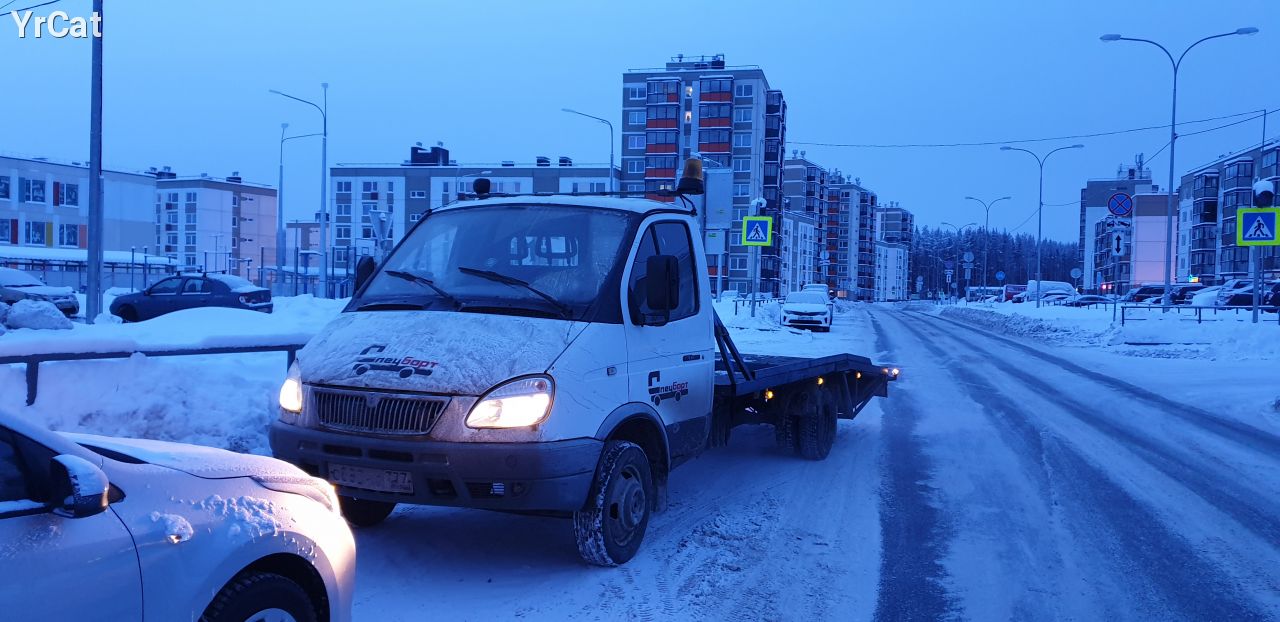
662,288
364,271
80,488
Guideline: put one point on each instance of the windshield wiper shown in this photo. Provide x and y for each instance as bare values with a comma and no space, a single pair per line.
563,308
422,280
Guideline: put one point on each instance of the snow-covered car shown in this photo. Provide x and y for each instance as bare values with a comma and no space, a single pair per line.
1055,298
1235,293
103,528
1086,300
17,285
807,309
1206,297
189,291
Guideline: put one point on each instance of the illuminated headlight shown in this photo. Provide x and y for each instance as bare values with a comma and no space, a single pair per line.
291,395
515,404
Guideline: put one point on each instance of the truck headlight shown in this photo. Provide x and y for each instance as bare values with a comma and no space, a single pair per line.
291,395
517,403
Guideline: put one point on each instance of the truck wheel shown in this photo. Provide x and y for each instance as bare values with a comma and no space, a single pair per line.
364,512
610,529
785,427
817,428
260,596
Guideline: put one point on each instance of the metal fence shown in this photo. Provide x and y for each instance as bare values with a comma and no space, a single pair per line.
1130,313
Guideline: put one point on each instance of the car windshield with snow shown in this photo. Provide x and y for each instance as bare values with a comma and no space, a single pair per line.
545,260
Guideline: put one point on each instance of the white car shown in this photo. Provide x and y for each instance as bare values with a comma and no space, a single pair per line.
807,309
1206,297
103,528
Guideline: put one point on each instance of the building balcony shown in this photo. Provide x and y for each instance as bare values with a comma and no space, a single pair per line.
714,147
1236,183
1208,192
660,148
715,122
720,96
659,173
661,124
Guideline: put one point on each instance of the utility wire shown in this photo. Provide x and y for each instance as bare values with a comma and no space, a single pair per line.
34,6
990,143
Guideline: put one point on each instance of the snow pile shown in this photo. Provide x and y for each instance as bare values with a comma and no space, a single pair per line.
4,313
176,528
1225,338
36,314
1058,331
766,317
251,515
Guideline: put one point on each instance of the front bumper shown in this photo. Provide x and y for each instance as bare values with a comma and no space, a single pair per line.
549,476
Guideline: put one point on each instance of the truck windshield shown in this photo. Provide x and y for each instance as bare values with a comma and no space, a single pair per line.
546,260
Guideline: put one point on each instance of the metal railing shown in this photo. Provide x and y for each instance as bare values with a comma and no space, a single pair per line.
33,361
1199,311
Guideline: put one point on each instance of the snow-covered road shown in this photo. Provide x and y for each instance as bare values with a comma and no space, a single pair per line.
1001,480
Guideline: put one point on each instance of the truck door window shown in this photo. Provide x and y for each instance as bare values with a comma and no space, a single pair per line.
665,238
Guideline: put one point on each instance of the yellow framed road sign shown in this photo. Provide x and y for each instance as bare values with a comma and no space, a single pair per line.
1256,226
757,231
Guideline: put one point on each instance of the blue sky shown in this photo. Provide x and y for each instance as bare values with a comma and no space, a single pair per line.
186,85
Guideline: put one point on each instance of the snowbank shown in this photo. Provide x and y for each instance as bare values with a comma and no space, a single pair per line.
37,315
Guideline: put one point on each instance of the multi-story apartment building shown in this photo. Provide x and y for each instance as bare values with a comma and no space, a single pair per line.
731,117
46,204
1209,199
429,179
1093,259
215,224
853,231
896,228
804,251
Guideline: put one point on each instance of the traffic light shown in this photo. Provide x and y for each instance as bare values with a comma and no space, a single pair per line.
1264,193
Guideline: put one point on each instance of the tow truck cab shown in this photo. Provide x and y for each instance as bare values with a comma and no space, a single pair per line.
545,354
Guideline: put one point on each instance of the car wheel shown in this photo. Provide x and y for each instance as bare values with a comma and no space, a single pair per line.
128,314
610,529
261,597
364,512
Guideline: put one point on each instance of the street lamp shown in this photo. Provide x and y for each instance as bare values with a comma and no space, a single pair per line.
458,189
1040,209
986,235
612,185
960,241
1173,137
324,182
280,237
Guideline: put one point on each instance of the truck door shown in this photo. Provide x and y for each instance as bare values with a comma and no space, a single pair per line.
671,366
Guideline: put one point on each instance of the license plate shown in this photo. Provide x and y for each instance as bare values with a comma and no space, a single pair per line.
381,480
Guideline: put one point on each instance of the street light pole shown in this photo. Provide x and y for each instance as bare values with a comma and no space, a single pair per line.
960,241
1173,138
986,235
612,180
324,183
281,243
1040,209
94,250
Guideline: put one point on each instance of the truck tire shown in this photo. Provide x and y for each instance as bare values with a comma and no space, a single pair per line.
610,529
817,428
786,427
258,596
364,512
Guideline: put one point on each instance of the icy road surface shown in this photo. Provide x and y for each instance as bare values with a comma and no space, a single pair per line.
1002,480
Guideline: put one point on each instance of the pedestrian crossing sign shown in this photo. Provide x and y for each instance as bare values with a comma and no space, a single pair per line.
1256,226
757,231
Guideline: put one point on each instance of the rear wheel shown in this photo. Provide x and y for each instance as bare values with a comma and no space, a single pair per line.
261,597
364,512
786,427
610,529
817,427
128,314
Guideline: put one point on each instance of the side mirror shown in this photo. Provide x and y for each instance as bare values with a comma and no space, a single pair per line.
662,288
364,271
80,488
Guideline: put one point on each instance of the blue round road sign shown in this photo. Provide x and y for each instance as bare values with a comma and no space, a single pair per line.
1120,204
1000,275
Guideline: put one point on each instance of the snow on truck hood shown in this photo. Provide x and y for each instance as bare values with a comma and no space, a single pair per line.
197,460
433,352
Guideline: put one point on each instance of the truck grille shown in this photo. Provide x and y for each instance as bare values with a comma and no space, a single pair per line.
377,413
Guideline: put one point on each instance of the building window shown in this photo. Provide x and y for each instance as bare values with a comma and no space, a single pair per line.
191,218
737,263
5,234
741,165
171,217
190,260
663,112
708,137
235,199
742,139
598,186
660,138
69,235
635,117
366,210
191,239
342,232
70,194
636,92
718,85
32,190
344,186
742,115
415,217
635,141
714,111
366,233
344,209
635,166
369,191
635,187
744,90
660,162
4,187
417,194
741,190
172,239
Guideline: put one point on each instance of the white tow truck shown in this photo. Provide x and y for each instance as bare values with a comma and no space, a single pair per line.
549,354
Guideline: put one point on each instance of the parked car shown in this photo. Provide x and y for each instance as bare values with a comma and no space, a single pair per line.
1206,297
1086,300
118,529
1271,298
1182,292
1055,297
1144,294
1236,292
17,285
821,289
188,291
808,309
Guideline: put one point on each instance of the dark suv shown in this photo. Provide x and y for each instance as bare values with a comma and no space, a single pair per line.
188,291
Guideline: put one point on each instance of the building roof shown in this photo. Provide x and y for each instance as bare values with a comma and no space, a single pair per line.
43,253
71,164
